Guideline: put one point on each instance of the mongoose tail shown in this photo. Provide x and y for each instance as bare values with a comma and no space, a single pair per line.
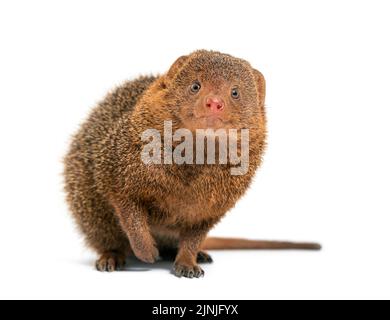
242,244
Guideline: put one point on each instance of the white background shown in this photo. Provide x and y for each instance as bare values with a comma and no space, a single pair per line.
326,174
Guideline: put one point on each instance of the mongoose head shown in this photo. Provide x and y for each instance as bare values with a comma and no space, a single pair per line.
208,89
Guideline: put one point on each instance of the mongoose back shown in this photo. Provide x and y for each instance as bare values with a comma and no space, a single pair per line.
125,206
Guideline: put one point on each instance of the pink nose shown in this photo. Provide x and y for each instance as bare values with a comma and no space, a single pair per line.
214,104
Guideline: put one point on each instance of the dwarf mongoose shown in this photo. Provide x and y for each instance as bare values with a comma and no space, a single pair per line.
126,206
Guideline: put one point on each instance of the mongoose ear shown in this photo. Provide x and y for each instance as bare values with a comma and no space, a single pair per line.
176,66
260,86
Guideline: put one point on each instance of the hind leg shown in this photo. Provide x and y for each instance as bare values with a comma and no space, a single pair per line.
204,257
107,238
111,244
112,253
97,221
170,254
93,214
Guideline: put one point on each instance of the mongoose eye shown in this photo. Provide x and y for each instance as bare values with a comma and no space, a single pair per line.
235,93
195,87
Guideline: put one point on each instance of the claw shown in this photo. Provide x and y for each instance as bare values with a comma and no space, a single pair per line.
188,271
110,262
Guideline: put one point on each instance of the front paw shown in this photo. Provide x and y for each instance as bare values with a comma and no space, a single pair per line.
187,271
147,254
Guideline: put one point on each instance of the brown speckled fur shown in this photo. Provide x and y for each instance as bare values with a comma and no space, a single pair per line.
123,205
